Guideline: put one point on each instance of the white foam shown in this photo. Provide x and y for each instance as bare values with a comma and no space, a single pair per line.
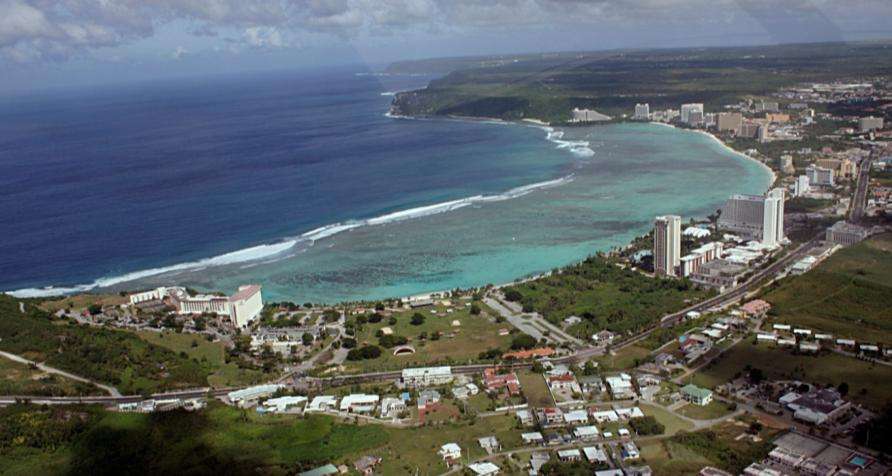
272,252
579,148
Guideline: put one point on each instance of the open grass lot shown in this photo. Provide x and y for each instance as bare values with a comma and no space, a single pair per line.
667,457
209,353
847,295
82,301
869,384
115,357
605,296
625,358
220,440
456,345
535,389
415,449
717,446
714,410
673,423
19,379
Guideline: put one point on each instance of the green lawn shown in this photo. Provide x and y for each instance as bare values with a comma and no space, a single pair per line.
667,457
673,423
869,384
457,344
606,296
20,379
717,446
212,353
535,389
847,295
714,410
625,358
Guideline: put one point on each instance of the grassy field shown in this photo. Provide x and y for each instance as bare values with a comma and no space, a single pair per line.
846,295
624,358
673,423
415,449
714,410
667,457
82,301
115,357
717,446
20,379
220,440
535,389
869,384
605,296
210,353
457,344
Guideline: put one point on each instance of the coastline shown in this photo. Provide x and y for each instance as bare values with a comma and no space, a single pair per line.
580,149
726,146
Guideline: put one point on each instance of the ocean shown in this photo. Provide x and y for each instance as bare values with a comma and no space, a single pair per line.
302,183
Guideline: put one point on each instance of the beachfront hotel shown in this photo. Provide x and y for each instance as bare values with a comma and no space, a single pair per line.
756,216
667,244
242,307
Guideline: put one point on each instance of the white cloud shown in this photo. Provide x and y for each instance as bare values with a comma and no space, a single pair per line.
41,30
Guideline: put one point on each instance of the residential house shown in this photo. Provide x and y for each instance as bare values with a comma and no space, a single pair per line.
451,453
495,382
490,444
484,468
696,395
569,455
366,465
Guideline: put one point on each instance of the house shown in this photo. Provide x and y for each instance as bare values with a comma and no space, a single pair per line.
495,382
537,460
696,395
427,398
427,376
591,384
366,465
621,386
551,416
566,383
532,438
528,354
322,403
605,415
359,403
623,432
755,308
392,407
569,455
451,453
629,413
629,450
639,471
603,337
595,454
525,417
817,406
484,468
575,417
490,444
610,472
586,432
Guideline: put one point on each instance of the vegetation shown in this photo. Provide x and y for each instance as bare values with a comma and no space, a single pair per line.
116,357
605,296
728,455
806,205
20,379
846,295
868,383
647,425
220,440
547,87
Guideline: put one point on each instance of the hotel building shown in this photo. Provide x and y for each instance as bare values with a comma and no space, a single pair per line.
667,244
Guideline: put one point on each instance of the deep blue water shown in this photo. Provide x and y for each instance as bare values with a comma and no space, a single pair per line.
102,182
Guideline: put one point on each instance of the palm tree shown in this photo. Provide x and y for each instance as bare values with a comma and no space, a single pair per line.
714,218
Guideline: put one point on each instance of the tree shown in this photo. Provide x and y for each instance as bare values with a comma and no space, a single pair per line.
348,342
523,341
513,295
417,319
647,425
307,338
95,309
475,309
364,353
843,389
714,219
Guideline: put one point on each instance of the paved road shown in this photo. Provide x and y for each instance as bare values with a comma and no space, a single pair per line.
531,323
859,201
50,370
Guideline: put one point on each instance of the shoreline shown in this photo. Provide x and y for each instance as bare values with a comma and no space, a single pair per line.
727,147
553,135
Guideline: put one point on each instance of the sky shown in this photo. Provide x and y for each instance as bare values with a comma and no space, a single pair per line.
63,43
